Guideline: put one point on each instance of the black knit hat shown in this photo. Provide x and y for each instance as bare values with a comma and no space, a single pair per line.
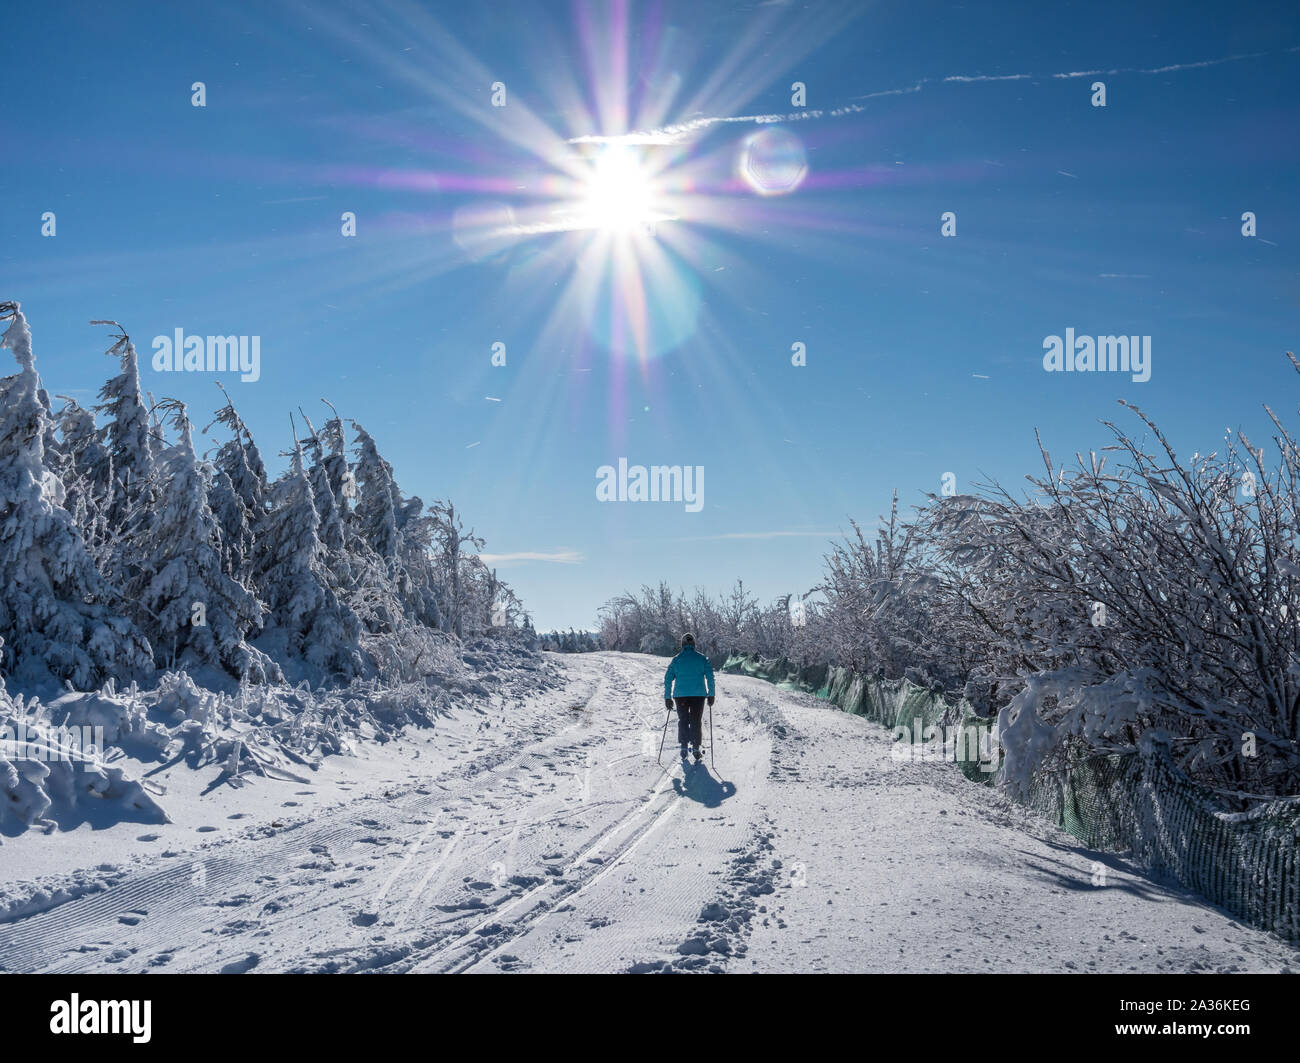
688,639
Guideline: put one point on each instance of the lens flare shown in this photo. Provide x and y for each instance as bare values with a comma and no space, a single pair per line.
773,161
482,230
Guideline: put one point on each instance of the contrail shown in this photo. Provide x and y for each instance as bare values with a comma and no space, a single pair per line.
683,131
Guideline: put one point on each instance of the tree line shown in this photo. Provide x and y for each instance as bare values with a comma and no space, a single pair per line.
123,550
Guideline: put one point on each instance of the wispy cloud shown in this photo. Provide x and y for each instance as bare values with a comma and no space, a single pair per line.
987,77
693,127
1172,68
561,557
683,131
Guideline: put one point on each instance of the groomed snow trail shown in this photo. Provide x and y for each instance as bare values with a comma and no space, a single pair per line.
565,847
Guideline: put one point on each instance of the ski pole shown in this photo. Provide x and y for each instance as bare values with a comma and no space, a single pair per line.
660,758
712,763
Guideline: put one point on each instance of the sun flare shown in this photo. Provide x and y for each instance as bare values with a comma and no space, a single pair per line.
619,195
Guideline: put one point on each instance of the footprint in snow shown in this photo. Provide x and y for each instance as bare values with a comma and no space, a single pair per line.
205,830
148,837
242,965
133,918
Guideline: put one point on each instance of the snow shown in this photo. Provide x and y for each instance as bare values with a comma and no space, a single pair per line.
531,829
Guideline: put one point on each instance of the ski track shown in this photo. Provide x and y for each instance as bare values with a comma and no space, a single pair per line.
566,847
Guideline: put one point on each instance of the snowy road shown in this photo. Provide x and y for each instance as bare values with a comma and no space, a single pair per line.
560,845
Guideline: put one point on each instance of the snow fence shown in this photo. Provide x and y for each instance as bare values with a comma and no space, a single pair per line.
1137,803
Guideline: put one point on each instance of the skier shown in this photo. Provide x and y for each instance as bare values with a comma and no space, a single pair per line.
689,679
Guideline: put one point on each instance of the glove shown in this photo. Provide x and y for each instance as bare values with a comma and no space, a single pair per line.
668,703
710,701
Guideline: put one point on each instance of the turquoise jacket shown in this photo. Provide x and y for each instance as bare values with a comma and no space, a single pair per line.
693,674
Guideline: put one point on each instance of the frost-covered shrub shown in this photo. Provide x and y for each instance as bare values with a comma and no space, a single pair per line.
41,771
1156,596
410,654
122,719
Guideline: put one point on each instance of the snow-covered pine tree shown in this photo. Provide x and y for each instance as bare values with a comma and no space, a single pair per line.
329,509
127,433
342,484
54,620
382,583
86,468
194,612
317,626
50,447
235,524
419,582
241,463
157,438
375,518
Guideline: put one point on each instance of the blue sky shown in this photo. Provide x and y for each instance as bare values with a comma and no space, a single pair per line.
924,353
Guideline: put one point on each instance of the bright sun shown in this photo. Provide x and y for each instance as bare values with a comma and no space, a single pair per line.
618,196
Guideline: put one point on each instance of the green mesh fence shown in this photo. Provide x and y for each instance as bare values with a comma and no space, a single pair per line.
1138,803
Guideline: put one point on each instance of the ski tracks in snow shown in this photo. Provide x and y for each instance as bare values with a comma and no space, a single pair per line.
520,859
564,846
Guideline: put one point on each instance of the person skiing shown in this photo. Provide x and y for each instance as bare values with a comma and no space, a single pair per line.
689,679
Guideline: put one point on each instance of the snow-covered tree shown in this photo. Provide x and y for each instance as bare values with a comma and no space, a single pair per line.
55,613
375,519
86,468
234,523
334,465
451,537
330,509
240,517
316,625
193,610
127,433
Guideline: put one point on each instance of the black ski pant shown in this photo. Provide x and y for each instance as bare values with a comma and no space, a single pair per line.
690,714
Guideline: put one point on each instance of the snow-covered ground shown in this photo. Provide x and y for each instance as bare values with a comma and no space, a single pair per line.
541,835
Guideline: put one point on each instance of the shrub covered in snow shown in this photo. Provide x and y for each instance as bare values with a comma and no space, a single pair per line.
43,769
